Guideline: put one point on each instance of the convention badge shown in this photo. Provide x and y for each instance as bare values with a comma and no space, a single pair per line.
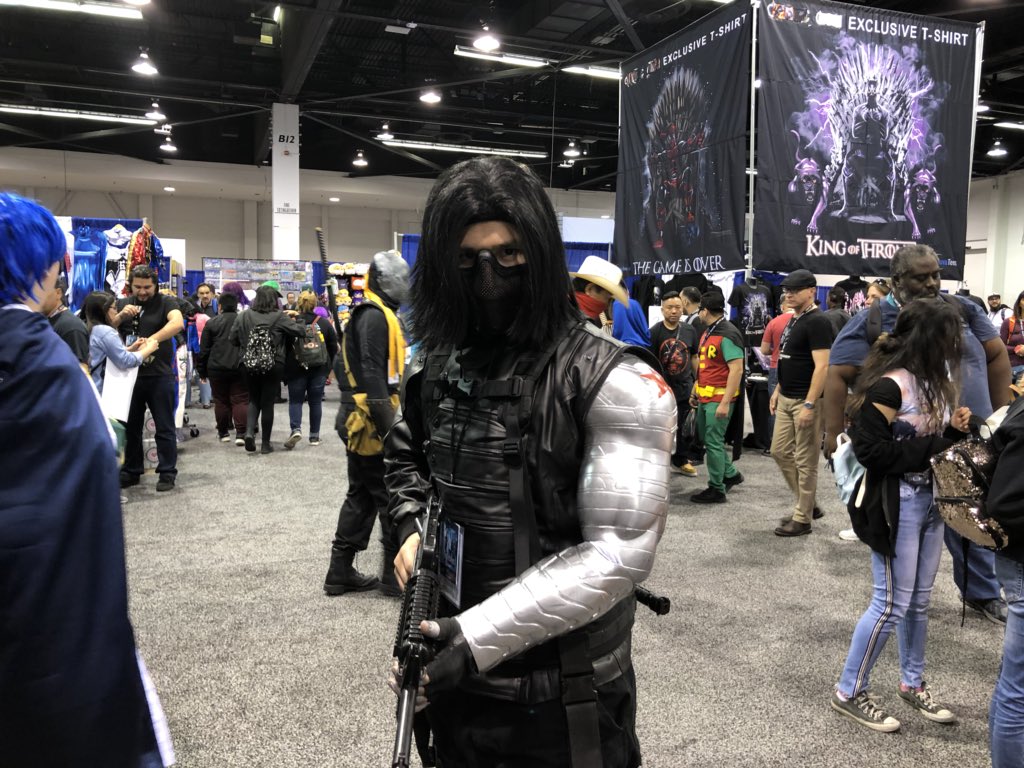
450,561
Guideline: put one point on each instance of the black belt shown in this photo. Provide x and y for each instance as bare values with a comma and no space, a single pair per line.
545,684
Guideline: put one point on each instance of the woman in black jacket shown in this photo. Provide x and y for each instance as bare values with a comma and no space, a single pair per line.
903,413
218,364
1006,505
264,384
305,374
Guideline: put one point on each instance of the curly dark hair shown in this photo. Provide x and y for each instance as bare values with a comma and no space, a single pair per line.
475,191
927,341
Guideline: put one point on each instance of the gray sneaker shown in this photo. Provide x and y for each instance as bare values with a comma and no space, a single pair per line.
865,710
929,708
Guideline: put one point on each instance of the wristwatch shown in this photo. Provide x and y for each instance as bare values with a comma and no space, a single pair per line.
808,405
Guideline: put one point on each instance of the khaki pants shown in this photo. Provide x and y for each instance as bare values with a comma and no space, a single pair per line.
795,450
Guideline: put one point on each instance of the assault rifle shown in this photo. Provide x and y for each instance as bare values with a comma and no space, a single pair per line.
412,649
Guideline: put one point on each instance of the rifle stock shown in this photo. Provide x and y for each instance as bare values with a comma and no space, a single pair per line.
412,649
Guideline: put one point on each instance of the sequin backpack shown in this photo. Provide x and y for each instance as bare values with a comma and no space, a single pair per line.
963,474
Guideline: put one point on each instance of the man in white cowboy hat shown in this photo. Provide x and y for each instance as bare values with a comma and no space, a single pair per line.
597,283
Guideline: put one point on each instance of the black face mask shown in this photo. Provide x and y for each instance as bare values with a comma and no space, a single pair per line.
497,294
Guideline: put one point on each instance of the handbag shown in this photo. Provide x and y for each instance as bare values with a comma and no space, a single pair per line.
846,470
962,475
689,429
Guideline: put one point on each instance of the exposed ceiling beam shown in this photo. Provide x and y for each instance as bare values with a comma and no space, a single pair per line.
627,26
302,36
394,150
469,33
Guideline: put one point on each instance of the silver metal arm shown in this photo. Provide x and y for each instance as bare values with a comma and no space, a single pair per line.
622,502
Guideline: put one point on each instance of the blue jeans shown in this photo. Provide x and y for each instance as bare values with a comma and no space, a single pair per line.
302,384
902,590
773,381
981,569
1006,716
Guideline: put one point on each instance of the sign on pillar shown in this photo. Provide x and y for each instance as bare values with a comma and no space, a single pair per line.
285,181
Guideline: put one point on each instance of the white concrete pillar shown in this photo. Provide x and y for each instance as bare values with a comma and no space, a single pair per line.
285,181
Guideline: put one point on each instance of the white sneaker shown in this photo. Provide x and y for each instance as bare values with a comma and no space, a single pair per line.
293,439
847,534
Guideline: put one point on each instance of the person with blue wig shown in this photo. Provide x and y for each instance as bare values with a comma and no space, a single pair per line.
629,325
72,687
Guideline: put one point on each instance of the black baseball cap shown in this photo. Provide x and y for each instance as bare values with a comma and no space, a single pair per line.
800,278
713,301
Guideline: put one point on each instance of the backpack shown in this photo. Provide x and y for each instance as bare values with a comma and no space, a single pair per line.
310,349
260,352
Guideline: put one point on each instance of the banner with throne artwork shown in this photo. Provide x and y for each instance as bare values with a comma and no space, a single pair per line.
864,132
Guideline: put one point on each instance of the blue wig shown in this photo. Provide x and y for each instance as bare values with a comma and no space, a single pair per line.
31,241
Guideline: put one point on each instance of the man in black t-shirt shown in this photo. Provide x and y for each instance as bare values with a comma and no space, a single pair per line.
65,323
674,343
151,314
803,366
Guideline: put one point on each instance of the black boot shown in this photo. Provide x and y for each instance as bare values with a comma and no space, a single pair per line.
343,577
388,583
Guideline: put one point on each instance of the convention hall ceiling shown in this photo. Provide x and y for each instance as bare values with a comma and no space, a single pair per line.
354,65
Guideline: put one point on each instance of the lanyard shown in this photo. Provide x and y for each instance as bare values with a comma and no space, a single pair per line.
789,329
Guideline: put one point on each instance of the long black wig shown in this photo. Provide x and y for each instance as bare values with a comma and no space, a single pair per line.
475,191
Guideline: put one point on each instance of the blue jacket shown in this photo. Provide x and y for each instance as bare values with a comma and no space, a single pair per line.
70,688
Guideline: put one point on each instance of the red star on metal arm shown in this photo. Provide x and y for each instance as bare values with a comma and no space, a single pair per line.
663,388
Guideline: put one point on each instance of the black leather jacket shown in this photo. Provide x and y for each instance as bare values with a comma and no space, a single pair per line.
456,442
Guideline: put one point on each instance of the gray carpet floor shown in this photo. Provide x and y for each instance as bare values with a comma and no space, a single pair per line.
257,667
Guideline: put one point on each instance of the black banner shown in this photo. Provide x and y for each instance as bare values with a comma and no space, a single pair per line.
863,137
681,175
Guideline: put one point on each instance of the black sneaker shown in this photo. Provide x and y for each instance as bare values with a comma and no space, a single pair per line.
994,610
240,439
266,448
314,440
166,483
224,437
709,496
923,702
864,710
250,443
732,482
128,479
817,514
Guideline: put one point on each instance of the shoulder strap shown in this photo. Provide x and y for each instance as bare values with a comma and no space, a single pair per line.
873,326
518,410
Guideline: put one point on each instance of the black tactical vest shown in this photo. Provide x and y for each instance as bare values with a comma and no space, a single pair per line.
465,404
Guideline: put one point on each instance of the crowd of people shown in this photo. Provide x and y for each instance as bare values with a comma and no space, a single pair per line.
510,392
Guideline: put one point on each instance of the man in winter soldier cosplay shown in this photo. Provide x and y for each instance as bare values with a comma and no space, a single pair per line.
548,446
371,365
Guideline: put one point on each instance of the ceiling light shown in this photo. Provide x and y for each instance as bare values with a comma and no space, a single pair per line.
605,216
468,149
505,58
430,96
75,114
1011,126
144,65
396,30
566,164
163,130
385,134
334,199
168,145
757,82
997,150
168,189
97,9
156,114
606,73
277,14
572,150
487,42
360,161
979,107
136,2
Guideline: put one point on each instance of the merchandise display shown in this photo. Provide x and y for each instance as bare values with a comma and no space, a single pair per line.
252,273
